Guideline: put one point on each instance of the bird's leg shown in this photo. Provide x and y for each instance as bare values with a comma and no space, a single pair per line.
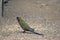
24,31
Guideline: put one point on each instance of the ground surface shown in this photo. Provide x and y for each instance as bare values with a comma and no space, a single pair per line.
42,15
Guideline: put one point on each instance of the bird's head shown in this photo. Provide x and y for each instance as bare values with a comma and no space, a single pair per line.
18,18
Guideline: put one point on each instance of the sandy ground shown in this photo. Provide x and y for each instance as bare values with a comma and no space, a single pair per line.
42,15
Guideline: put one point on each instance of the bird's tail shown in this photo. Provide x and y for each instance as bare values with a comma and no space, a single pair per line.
37,33
32,30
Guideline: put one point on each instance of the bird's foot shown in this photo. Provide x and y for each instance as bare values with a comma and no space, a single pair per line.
24,31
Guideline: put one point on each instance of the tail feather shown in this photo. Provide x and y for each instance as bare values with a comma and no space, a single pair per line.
32,30
37,33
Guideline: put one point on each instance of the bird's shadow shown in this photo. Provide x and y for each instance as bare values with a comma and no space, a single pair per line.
22,32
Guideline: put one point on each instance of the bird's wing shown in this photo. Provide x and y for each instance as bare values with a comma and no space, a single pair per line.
24,26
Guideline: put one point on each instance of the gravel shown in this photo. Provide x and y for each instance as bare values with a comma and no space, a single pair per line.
42,15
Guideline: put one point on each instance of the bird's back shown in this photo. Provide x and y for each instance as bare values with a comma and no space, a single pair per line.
24,25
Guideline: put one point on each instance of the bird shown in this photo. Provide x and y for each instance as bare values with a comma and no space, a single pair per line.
25,26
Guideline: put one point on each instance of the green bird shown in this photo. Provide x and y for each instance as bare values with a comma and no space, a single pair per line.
25,26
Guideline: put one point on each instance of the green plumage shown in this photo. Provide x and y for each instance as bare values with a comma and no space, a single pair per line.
25,26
